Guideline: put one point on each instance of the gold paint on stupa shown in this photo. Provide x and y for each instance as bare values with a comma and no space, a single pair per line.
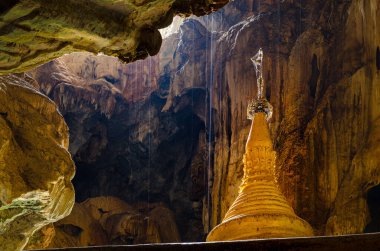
260,210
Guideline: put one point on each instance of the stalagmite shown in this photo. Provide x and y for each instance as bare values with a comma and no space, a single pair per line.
260,210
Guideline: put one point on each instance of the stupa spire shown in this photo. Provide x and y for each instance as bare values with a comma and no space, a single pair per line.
257,61
260,210
260,104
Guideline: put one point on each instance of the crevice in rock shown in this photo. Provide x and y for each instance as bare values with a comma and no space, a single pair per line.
378,58
71,229
313,81
373,201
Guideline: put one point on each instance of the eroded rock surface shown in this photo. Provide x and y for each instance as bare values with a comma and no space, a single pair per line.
35,167
108,220
33,32
322,79
322,72
122,142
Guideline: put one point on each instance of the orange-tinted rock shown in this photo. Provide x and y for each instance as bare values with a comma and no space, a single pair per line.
109,220
322,74
322,82
35,167
42,238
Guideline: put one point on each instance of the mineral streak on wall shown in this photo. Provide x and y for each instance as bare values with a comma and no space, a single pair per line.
260,210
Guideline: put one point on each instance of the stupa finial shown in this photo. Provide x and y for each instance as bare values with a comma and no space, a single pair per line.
257,61
260,104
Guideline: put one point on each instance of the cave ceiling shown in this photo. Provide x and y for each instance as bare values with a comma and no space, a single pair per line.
33,32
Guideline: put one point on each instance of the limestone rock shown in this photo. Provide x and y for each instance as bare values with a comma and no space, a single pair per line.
322,77
119,135
135,81
109,220
187,60
33,32
42,238
35,167
322,72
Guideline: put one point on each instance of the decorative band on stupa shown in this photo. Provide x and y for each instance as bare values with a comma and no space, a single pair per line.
260,209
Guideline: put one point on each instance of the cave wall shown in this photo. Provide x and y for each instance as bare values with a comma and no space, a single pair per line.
185,111
111,221
35,166
123,143
322,80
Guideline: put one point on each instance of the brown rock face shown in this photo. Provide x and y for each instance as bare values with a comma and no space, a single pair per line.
323,82
122,142
33,32
108,220
35,167
135,81
42,238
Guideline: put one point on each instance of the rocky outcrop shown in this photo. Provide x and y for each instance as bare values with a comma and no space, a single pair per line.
135,81
33,32
35,167
108,220
42,238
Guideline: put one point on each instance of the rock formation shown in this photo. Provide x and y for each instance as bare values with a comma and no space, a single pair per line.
42,238
323,82
108,220
33,32
122,142
323,76
35,167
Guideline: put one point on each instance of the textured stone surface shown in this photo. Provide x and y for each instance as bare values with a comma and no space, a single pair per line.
322,70
108,220
122,142
35,167
323,82
33,32
42,238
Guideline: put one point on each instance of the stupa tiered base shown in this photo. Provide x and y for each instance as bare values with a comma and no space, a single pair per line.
260,210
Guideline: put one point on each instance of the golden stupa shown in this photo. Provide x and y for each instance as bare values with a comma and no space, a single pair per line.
260,210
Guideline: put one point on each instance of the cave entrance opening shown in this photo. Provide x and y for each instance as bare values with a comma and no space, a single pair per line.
373,201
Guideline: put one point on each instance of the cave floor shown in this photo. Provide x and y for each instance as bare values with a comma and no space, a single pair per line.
358,242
